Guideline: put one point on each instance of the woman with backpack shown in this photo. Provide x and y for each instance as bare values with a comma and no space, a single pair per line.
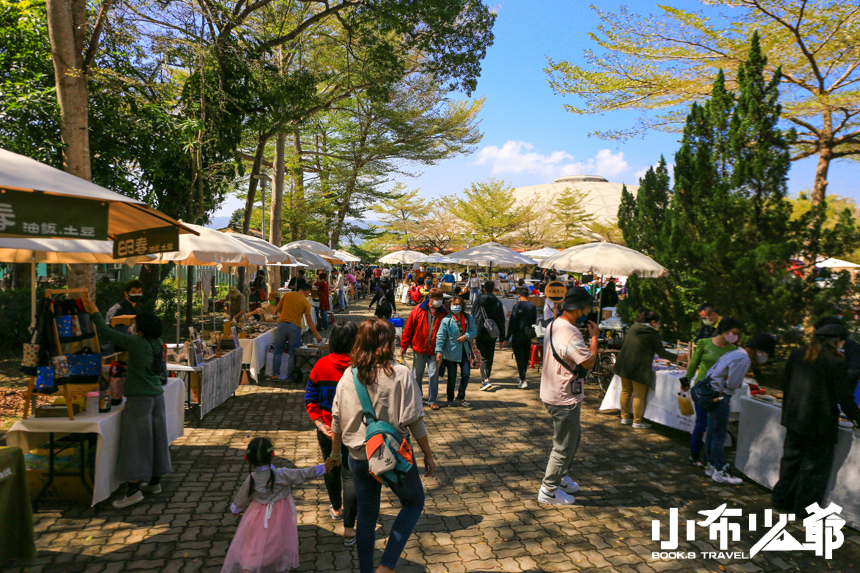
453,348
521,332
389,389
384,300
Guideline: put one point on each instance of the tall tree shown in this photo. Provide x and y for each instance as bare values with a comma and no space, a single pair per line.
570,217
666,61
490,209
402,216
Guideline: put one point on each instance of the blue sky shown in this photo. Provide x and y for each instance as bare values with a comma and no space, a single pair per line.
528,137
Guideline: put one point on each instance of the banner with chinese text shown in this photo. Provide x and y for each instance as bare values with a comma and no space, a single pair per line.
35,214
146,242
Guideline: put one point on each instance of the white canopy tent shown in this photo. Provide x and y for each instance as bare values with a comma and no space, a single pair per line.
272,253
401,257
310,260
490,254
312,246
836,264
19,173
346,257
541,254
437,258
605,259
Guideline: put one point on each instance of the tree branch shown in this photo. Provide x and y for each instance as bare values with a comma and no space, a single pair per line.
90,54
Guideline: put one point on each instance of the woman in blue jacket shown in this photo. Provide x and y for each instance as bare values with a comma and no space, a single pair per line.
453,347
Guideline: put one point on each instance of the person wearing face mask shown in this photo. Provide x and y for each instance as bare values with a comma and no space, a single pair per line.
710,321
815,385
453,347
566,358
634,366
384,300
725,377
419,333
707,352
129,305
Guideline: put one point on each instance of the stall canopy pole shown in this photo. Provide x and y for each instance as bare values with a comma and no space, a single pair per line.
33,292
178,298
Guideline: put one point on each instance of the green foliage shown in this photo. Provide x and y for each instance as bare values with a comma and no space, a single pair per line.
490,209
725,230
571,218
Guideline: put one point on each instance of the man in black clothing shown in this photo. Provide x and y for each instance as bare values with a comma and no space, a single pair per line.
295,280
129,304
487,306
523,316
851,348
710,320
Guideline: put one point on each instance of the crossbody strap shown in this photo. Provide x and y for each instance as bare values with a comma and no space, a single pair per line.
363,397
555,354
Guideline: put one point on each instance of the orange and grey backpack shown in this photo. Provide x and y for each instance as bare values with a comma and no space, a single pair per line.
389,455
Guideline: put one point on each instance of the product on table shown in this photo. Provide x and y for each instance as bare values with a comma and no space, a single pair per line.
93,400
104,395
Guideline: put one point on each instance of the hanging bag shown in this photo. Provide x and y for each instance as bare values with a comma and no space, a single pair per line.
578,372
488,323
389,455
705,396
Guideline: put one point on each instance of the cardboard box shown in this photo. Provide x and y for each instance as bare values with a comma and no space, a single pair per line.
447,287
538,301
126,319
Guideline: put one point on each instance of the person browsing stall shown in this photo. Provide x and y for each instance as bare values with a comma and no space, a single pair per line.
293,307
710,321
130,303
144,452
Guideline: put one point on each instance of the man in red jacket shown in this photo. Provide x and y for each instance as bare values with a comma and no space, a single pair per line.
420,333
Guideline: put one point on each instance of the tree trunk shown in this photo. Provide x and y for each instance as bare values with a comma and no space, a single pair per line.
344,207
296,230
67,27
825,155
277,220
249,202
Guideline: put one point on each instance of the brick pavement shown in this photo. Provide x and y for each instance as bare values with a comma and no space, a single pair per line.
481,512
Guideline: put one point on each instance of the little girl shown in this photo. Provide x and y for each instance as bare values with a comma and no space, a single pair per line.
267,537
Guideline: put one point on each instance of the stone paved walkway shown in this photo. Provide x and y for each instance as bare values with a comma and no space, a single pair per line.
481,511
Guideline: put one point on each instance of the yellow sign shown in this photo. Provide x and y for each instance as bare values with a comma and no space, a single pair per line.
555,291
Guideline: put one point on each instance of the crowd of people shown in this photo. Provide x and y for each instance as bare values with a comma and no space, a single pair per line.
455,332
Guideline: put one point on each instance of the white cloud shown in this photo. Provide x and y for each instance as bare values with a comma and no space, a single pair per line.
520,157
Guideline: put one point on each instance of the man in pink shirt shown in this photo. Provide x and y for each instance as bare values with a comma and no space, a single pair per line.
566,357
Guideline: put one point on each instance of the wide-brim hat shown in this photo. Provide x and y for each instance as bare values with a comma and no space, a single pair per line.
832,331
576,298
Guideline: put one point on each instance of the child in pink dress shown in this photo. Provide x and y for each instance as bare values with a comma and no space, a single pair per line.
267,538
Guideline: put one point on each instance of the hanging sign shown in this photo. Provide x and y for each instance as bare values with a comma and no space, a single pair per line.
555,291
146,242
35,214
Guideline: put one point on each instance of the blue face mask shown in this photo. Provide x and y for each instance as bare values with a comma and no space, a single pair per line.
581,320
456,308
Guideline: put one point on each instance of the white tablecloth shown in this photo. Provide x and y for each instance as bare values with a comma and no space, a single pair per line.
33,433
254,352
661,402
760,440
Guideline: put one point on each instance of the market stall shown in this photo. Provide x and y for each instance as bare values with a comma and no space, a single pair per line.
35,433
254,351
213,381
759,451
661,402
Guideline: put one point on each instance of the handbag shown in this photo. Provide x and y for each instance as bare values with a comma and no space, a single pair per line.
44,383
578,372
705,396
85,366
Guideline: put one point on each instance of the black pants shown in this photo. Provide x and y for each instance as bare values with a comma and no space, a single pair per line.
521,349
337,480
803,472
465,371
487,348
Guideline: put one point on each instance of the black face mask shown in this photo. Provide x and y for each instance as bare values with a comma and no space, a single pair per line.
135,298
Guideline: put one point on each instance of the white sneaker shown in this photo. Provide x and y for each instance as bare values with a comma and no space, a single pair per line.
137,497
710,470
152,489
558,497
626,421
641,425
724,477
568,485
523,385
486,385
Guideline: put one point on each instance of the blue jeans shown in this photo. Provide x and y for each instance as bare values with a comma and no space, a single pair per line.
465,371
718,429
367,492
698,437
323,318
288,336
473,294
418,363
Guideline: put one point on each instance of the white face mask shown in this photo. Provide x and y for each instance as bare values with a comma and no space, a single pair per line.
760,357
731,337
456,308
436,303
707,322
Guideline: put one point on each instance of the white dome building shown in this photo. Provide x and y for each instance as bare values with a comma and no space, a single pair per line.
601,200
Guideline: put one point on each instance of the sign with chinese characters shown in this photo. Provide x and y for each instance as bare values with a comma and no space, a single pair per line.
823,529
555,291
146,242
35,214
